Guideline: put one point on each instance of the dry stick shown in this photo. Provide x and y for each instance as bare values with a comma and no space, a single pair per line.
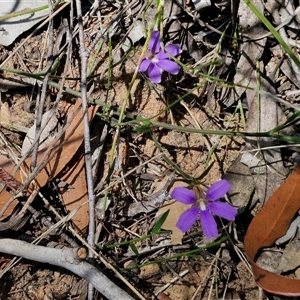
60,89
61,222
87,145
69,259
84,57
41,100
174,279
96,254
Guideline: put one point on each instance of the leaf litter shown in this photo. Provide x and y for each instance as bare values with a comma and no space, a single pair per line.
132,184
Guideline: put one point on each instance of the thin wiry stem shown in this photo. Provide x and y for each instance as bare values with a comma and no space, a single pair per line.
87,145
41,101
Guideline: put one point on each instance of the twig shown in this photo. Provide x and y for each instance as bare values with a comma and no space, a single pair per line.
53,228
41,100
87,145
96,254
67,258
171,281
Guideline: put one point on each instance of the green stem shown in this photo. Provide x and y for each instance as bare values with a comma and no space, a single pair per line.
23,12
131,241
187,253
137,120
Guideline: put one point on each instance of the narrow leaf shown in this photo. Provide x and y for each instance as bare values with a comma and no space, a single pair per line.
134,249
160,222
273,30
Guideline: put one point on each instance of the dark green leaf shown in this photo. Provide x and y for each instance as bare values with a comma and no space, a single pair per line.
160,222
134,249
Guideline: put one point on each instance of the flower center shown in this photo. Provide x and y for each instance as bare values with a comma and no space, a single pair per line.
202,204
151,56
201,201
154,59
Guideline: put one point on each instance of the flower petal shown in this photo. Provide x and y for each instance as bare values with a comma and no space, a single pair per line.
154,43
144,65
188,218
173,49
161,55
184,195
223,210
169,66
218,190
208,224
154,73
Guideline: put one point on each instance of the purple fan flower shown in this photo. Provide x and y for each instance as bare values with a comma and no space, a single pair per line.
204,207
159,60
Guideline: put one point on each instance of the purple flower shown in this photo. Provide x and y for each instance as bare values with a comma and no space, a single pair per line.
204,207
158,60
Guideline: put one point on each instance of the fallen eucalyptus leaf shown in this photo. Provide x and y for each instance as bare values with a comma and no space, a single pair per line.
270,223
62,158
175,210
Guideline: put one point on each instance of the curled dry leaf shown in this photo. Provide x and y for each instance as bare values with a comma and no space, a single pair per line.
163,296
64,161
267,226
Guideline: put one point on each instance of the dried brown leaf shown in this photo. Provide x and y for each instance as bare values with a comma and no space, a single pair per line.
176,209
64,155
267,226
